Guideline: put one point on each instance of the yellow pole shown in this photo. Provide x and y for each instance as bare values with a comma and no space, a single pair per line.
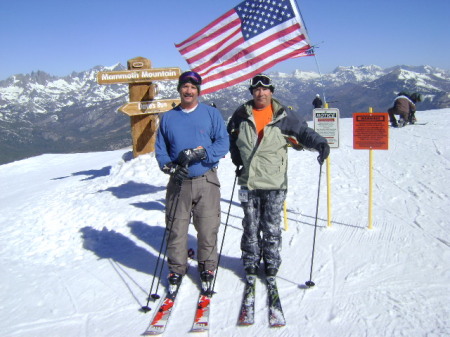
370,182
286,226
328,187
328,192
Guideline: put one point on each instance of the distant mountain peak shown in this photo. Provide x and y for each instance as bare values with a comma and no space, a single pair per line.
39,111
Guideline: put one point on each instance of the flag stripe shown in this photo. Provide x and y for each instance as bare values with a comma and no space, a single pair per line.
211,62
270,54
216,24
252,48
236,80
231,41
220,80
220,34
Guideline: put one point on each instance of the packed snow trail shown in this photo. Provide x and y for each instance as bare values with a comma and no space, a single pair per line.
80,234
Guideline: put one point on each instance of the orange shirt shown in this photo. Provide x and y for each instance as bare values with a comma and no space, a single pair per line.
262,118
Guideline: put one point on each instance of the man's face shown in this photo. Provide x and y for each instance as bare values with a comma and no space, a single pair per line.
262,97
188,95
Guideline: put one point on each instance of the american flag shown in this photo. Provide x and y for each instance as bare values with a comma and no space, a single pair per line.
248,39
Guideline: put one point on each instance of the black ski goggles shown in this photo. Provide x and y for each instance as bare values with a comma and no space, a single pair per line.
263,80
190,76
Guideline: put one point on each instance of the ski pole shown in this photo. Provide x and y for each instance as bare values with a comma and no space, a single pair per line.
155,295
310,283
224,232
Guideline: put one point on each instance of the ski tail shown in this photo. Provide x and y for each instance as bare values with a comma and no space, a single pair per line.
247,312
201,318
276,315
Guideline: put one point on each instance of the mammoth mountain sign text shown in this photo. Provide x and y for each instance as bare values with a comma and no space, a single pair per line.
138,75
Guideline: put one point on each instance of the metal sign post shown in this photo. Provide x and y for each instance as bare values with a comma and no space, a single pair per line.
326,123
370,132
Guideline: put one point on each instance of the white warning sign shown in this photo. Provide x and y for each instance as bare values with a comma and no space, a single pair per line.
326,124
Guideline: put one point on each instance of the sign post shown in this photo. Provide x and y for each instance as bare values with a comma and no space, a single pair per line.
370,132
326,124
142,108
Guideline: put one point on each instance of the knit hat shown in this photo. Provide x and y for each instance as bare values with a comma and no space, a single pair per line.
191,77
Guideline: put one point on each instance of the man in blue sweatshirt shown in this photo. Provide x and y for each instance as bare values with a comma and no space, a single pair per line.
191,140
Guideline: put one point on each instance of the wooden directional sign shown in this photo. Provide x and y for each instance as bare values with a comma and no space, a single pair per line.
138,75
149,107
142,109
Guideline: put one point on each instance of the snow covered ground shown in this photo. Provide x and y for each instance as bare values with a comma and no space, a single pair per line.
80,234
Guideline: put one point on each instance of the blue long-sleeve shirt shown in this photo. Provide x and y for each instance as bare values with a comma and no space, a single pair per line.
179,130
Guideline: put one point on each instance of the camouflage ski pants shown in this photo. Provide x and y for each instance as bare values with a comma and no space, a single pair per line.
262,231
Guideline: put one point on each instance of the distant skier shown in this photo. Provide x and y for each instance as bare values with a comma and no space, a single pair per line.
405,107
415,97
317,102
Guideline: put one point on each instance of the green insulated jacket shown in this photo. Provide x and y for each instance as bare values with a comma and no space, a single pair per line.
265,165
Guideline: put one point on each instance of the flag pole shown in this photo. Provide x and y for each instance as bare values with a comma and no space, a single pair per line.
313,48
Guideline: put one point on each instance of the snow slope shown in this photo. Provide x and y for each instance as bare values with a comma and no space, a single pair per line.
80,234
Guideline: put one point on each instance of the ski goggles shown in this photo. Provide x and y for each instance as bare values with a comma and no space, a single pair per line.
263,80
190,76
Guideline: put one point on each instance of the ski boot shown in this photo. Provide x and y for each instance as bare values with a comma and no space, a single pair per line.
207,277
174,281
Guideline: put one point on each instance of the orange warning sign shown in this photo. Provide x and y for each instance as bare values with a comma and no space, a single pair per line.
370,131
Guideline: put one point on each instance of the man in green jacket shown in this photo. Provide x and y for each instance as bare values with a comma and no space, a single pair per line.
260,131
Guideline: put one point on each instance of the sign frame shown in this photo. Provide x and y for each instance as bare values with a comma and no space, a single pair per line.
370,131
326,124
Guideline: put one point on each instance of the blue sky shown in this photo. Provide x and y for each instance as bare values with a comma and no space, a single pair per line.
59,37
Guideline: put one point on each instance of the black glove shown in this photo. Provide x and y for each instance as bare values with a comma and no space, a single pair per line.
188,156
324,151
177,172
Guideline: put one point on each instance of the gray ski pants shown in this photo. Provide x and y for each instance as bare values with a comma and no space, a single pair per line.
200,198
262,231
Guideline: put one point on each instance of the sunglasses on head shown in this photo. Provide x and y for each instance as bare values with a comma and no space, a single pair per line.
191,76
261,80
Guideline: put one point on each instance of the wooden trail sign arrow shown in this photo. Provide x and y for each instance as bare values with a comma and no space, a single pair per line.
149,107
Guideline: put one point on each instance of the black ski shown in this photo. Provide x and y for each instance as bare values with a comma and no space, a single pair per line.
406,125
276,316
247,313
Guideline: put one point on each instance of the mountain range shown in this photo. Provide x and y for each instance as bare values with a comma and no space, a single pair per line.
41,113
